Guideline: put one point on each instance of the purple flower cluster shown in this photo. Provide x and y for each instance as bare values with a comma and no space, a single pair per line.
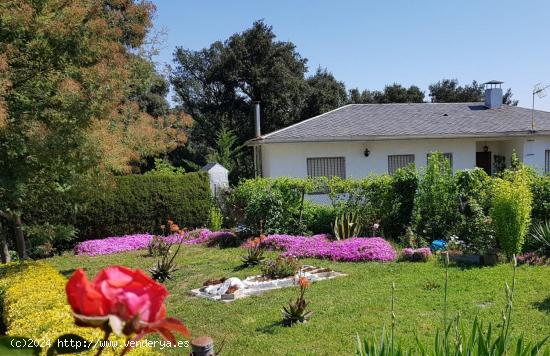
422,254
319,246
118,244
532,258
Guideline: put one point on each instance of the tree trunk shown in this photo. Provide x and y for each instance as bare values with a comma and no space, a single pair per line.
19,237
4,251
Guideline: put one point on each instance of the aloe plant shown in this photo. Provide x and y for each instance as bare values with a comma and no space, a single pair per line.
346,225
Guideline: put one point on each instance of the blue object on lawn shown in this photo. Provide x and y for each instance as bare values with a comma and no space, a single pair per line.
438,245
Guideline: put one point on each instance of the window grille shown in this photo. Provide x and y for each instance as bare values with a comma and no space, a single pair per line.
399,161
326,167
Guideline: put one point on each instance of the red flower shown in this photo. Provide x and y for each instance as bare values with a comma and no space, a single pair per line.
135,300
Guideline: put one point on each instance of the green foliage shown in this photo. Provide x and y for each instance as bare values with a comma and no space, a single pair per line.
227,152
142,203
165,168
448,91
318,218
46,239
325,93
474,226
540,187
394,93
511,211
268,205
436,201
280,267
216,218
397,211
346,225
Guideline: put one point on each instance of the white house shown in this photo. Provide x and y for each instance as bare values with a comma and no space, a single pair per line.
358,139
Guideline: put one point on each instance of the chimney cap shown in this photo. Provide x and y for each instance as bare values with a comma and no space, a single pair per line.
493,84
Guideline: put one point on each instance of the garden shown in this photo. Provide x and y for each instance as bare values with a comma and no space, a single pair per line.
415,262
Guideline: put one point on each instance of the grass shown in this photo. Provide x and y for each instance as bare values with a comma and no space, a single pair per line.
343,307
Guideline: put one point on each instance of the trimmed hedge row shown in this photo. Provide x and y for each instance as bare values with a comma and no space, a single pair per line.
142,203
124,205
34,305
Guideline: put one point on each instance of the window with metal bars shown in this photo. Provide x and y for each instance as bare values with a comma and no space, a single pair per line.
326,167
448,156
399,161
547,161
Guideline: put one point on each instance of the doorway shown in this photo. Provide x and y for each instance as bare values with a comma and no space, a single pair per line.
483,160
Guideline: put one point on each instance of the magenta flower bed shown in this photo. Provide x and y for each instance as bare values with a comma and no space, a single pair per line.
319,246
118,244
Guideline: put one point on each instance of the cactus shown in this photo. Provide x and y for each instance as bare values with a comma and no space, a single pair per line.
346,225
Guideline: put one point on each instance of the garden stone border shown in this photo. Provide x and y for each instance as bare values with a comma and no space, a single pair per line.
256,285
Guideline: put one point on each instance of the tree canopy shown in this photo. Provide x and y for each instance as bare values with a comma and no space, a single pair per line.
394,93
73,97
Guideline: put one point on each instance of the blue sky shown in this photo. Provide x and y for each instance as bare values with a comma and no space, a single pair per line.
368,44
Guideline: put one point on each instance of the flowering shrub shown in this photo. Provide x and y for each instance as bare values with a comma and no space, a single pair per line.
532,258
281,267
35,305
319,246
423,254
141,241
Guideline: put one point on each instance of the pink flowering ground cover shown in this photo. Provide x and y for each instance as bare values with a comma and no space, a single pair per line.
118,244
319,246
422,254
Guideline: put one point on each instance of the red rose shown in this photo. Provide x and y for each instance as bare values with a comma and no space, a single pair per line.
132,297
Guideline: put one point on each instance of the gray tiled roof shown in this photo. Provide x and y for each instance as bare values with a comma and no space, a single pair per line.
421,120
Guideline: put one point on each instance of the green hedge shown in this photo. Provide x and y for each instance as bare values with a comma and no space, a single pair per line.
141,203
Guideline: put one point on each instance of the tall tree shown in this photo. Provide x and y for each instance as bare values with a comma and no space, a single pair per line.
395,93
449,91
325,93
65,81
217,85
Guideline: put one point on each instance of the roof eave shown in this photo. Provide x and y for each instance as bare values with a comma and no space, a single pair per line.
261,141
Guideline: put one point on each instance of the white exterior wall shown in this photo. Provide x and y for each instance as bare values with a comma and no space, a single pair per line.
290,159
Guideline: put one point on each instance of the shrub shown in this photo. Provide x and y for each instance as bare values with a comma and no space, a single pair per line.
540,188
216,219
281,267
397,213
318,218
267,205
473,227
34,305
436,202
142,203
423,254
511,211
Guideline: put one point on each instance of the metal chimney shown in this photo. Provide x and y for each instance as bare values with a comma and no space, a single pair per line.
257,119
493,94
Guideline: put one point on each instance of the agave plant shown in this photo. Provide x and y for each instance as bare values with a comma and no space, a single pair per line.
346,225
165,267
541,234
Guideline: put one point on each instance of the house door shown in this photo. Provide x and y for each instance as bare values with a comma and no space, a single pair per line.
483,160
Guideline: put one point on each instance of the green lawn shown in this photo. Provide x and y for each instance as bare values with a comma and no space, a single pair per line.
343,307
